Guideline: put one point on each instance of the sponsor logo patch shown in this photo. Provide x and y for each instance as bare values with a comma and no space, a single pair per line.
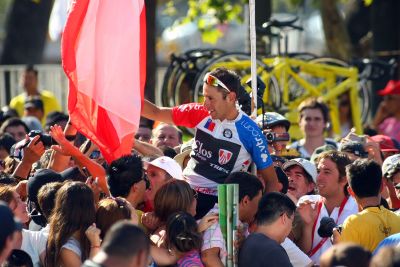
224,156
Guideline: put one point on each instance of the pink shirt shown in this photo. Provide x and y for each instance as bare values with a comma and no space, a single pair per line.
390,127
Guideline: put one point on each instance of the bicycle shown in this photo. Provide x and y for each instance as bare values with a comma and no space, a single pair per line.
284,73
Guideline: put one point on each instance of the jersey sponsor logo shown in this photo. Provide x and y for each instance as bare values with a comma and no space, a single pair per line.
189,107
264,157
201,152
255,132
224,156
227,133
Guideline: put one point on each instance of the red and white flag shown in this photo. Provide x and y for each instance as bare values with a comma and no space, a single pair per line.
103,55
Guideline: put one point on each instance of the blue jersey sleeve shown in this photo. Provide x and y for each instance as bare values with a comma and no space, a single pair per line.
254,142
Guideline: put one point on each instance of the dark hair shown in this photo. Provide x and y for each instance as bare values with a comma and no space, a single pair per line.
46,197
168,151
18,258
313,103
173,196
125,240
349,255
365,177
13,122
7,179
110,211
229,78
249,185
340,159
74,211
123,173
31,68
182,232
6,141
272,205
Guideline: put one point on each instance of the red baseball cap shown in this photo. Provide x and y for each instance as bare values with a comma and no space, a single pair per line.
392,88
386,143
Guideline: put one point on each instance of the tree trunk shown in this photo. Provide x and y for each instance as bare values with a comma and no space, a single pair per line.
336,37
26,32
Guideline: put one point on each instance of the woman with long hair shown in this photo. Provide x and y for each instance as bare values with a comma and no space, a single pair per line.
72,233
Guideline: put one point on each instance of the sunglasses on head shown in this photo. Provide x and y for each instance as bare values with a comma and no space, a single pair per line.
214,81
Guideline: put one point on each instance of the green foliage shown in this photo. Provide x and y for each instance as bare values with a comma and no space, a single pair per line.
368,2
207,14
4,7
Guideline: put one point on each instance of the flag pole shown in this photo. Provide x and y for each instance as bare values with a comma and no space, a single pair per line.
253,57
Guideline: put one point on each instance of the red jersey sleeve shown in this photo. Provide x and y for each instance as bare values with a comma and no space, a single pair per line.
189,115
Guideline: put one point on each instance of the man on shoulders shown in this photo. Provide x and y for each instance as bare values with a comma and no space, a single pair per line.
226,139
274,220
374,222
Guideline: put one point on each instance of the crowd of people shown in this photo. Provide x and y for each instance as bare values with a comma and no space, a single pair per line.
317,201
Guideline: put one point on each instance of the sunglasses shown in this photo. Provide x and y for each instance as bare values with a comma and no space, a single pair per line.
214,81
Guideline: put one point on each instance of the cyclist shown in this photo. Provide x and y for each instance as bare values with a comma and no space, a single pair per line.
275,127
226,139
313,123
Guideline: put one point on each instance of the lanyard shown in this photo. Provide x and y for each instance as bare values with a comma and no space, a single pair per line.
322,242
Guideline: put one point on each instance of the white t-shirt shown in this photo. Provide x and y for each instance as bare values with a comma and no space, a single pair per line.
297,257
349,208
34,243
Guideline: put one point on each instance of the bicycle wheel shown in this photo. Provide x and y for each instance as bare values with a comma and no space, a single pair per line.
241,64
170,78
364,92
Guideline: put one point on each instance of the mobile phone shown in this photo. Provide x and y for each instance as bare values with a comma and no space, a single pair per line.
357,138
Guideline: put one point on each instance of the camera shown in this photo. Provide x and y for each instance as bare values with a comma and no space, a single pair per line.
46,139
275,137
326,227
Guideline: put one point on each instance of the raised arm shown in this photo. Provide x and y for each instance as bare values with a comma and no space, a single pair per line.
155,113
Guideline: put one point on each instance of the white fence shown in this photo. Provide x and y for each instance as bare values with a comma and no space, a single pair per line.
51,78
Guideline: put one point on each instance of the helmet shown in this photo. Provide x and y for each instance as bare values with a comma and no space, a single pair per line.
272,119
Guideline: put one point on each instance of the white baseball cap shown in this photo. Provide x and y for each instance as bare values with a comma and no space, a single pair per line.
391,165
308,167
167,164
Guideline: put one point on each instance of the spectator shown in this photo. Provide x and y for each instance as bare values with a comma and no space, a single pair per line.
18,258
6,112
143,133
387,257
345,116
388,145
184,239
30,85
173,196
313,121
55,117
250,192
168,135
370,226
272,122
333,201
387,117
125,245
126,178
274,222
16,127
168,151
34,107
74,213
6,142
32,123
13,199
112,210
302,176
391,172
390,241
160,171
8,227
349,255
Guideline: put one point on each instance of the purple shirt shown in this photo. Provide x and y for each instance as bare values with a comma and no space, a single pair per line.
190,259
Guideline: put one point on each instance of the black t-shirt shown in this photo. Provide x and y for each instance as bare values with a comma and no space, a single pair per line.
258,250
